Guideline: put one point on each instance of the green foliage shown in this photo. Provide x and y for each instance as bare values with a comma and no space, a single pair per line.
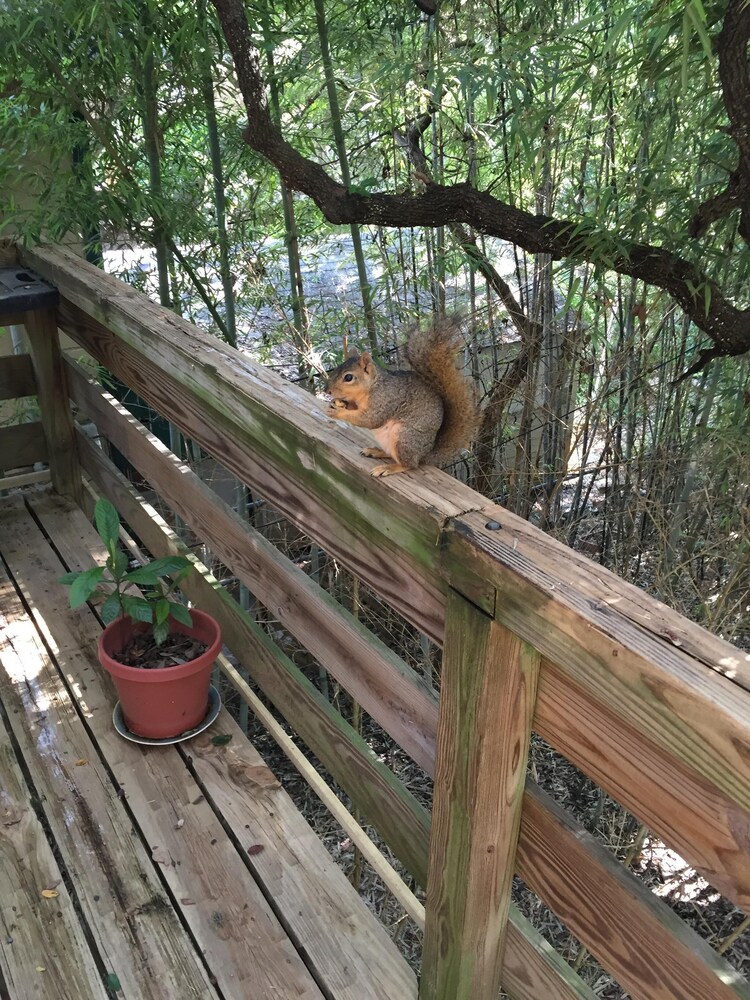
154,607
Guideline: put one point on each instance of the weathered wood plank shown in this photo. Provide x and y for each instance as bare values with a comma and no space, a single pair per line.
12,319
16,377
688,709
376,677
488,689
54,408
370,784
24,479
22,444
343,941
646,947
605,592
134,926
268,433
261,449
43,950
704,825
533,970
8,253
245,948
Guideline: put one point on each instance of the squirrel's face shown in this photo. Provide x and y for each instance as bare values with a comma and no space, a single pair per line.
350,382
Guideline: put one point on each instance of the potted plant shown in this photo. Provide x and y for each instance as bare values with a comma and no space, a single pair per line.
158,653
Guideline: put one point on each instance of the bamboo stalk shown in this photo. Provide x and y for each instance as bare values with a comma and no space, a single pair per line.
341,814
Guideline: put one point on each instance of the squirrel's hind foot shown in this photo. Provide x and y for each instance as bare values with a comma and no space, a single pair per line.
389,470
374,453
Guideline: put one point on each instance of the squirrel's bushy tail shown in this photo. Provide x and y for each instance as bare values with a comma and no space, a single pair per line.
432,354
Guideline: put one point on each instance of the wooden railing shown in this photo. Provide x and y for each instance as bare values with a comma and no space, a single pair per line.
650,706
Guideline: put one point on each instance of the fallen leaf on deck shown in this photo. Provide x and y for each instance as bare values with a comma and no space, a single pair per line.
222,739
41,968
11,815
160,856
50,893
113,983
187,901
81,762
261,776
255,849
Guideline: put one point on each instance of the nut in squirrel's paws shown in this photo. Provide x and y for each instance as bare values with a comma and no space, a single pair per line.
336,405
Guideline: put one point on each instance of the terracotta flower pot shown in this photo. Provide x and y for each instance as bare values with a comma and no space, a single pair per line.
165,702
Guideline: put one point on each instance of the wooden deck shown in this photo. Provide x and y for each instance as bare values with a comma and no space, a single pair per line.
174,872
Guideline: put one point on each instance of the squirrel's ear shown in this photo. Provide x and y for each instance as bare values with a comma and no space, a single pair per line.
365,360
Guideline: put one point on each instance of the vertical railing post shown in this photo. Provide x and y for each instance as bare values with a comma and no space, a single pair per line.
54,405
487,694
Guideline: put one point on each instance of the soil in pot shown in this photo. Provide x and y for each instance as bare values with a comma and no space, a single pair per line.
142,651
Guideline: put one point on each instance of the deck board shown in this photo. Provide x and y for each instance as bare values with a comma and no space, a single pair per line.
43,949
248,913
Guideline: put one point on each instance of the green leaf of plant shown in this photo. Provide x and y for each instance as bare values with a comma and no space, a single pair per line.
161,631
111,609
154,571
222,739
68,578
180,613
84,585
119,564
162,610
138,609
107,524
143,574
168,565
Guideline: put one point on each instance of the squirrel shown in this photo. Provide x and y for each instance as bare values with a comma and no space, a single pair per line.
420,416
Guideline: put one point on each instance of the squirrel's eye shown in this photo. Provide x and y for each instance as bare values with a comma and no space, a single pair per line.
348,377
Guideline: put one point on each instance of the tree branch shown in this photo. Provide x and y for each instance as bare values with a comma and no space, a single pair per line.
734,73
440,205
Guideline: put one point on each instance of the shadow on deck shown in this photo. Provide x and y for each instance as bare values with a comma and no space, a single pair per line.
166,872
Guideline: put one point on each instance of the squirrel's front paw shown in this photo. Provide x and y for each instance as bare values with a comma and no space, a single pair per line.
335,407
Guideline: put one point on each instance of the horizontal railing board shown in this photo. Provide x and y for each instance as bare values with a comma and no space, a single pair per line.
529,959
409,510
269,434
533,970
392,810
686,811
380,681
651,952
22,444
16,377
688,709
